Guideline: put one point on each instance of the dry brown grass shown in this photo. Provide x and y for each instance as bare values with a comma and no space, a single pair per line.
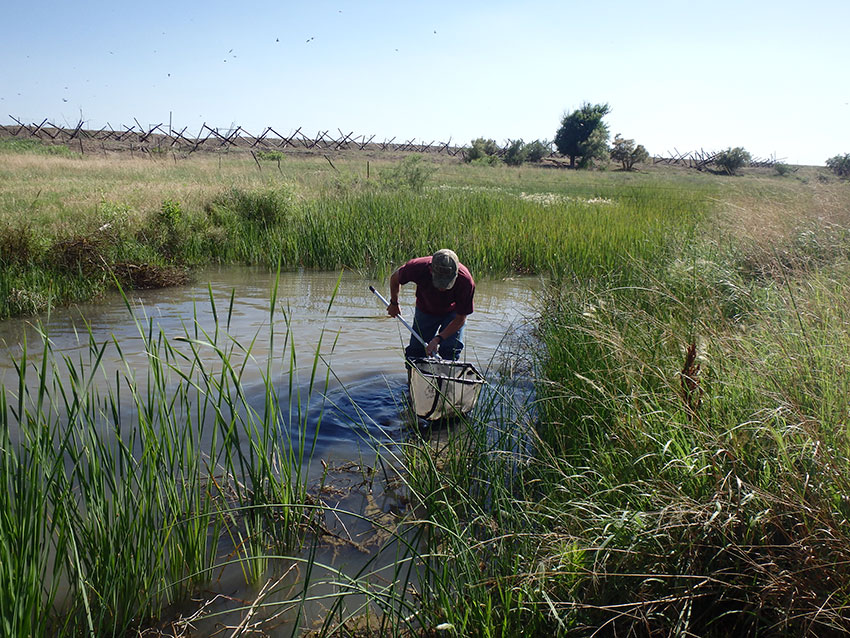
57,190
143,276
765,211
60,193
778,224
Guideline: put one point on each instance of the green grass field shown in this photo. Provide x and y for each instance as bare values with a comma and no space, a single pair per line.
683,468
68,226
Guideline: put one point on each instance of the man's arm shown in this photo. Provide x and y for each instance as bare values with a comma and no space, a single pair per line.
454,325
393,309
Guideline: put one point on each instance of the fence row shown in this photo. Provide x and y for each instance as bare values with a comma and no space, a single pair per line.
701,159
164,138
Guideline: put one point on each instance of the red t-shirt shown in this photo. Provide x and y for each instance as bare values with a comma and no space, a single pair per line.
458,298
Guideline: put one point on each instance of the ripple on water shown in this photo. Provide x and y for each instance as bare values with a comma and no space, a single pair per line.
367,414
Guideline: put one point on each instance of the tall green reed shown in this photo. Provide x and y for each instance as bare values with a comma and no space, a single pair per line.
702,467
124,494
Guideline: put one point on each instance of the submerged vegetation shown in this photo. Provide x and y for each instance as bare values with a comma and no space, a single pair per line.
684,466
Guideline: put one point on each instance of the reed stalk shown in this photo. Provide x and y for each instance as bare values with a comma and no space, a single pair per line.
122,496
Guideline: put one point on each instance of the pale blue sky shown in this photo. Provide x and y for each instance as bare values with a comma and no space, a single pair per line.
771,76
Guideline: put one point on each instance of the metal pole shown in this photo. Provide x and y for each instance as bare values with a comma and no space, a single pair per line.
386,303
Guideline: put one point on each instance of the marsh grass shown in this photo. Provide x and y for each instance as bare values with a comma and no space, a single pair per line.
125,495
684,468
713,505
67,226
690,463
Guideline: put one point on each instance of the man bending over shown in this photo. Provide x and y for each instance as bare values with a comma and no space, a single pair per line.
444,293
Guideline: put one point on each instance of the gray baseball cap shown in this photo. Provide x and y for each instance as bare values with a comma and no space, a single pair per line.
444,268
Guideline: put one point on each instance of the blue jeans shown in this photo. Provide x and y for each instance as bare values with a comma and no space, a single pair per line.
426,326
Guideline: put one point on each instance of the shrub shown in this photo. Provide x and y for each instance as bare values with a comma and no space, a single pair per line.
170,214
783,169
730,160
266,207
515,153
486,160
271,156
168,227
625,152
413,172
482,148
839,164
537,150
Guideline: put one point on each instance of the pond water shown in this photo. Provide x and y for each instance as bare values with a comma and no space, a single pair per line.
332,314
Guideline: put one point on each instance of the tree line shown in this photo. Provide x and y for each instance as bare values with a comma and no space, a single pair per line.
583,138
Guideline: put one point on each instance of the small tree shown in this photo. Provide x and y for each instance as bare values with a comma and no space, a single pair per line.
625,152
583,135
516,153
732,159
840,165
537,150
482,148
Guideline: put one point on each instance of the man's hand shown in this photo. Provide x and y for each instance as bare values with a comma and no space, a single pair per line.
393,310
433,346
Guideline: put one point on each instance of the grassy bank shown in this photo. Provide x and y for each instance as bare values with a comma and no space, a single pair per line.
70,227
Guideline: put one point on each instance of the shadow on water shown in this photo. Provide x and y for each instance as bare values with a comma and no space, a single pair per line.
370,412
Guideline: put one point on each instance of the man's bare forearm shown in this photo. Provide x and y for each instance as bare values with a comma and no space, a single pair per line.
454,325
394,287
